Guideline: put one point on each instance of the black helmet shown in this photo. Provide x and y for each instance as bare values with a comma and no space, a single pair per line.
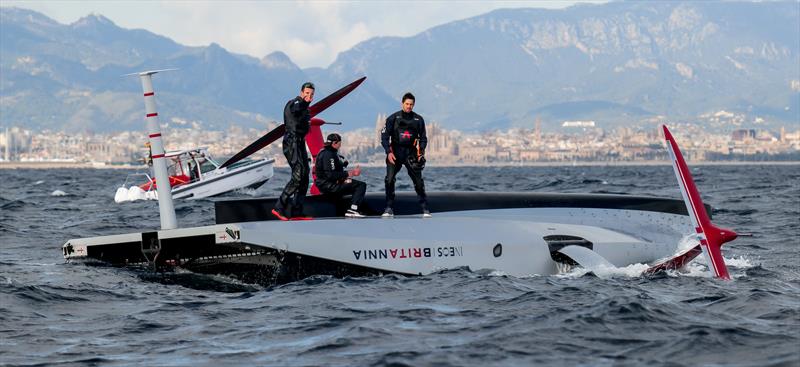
332,138
416,163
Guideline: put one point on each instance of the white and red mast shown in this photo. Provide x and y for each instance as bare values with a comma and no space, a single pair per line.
165,205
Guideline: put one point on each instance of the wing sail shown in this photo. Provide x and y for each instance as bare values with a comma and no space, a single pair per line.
278,132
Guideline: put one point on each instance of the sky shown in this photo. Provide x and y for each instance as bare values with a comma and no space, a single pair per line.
312,33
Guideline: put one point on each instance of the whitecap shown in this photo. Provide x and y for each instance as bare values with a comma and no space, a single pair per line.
630,271
698,267
58,193
605,272
497,273
695,268
247,191
687,242
739,262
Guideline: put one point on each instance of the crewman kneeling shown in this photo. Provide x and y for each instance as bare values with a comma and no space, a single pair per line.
333,179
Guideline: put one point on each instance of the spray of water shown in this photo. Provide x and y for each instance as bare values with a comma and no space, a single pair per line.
695,268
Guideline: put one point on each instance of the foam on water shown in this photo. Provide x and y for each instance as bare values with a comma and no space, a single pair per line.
58,193
605,272
497,273
699,268
739,262
687,242
247,191
695,268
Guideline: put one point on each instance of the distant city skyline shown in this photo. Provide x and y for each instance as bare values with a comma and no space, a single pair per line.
312,33
445,147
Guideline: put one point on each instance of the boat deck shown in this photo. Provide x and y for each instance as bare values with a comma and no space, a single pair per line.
406,203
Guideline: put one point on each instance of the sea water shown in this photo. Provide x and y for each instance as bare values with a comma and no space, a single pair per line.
53,312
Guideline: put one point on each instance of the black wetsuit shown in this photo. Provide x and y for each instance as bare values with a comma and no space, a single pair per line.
331,176
399,136
297,119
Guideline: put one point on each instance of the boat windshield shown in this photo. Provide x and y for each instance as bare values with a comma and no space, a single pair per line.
193,164
206,165
204,162
175,168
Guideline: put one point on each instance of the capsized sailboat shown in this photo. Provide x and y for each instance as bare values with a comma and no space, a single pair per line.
518,234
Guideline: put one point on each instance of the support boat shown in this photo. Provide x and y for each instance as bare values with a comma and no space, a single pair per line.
194,174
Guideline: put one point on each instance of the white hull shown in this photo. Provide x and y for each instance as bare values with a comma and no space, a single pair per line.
511,241
411,245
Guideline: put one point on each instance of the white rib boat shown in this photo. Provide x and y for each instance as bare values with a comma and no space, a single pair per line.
194,174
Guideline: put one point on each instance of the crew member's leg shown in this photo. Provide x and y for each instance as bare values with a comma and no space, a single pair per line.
359,191
356,188
391,173
419,184
282,205
302,187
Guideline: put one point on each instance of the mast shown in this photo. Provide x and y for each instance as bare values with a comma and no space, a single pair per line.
166,206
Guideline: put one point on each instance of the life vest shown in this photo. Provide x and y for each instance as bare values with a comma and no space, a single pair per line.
406,131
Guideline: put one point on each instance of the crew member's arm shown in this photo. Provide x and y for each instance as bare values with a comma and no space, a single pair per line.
297,108
423,136
332,171
319,168
386,133
291,123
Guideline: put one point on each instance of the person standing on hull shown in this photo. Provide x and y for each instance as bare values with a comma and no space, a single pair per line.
297,119
404,140
333,179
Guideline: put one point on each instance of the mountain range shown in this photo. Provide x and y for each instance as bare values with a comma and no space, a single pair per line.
619,63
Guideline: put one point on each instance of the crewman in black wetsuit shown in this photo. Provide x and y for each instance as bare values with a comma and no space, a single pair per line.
333,179
404,140
297,119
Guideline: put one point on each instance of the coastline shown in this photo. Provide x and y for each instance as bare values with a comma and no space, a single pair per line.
57,165
618,164
90,165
